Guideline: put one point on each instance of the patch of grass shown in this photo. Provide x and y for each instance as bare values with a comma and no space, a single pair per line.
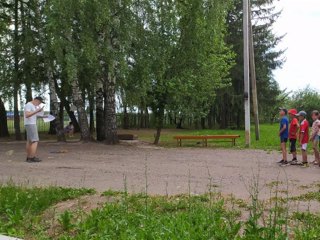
139,216
178,217
274,184
20,207
308,197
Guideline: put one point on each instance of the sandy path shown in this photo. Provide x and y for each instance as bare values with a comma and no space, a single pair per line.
169,171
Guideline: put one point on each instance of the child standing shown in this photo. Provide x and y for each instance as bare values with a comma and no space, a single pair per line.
293,132
303,136
284,134
69,129
314,136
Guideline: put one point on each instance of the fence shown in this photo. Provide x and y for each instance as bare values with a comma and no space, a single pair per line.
130,120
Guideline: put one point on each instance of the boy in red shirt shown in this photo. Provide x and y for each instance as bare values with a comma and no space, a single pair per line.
304,136
293,132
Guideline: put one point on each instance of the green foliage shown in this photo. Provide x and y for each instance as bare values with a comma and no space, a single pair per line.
305,99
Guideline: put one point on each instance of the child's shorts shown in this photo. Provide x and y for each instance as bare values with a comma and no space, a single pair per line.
293,143
304,146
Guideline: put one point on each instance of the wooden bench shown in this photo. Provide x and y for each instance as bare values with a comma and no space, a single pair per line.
204,138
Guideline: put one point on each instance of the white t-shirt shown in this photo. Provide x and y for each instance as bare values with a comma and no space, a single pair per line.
29,107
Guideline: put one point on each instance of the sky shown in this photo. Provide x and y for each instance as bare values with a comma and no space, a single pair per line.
300,20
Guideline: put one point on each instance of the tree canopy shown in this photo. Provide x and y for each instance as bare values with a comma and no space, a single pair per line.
102,60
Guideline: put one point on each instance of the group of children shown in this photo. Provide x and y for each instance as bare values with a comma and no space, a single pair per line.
298,130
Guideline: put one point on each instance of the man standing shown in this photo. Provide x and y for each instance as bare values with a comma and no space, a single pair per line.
284,134
31,110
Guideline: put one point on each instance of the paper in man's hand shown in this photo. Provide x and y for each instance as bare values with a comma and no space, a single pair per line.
48,118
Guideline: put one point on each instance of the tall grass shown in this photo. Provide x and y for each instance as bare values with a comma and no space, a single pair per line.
141,216
20,206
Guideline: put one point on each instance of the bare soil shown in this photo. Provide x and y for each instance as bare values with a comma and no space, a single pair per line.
141,167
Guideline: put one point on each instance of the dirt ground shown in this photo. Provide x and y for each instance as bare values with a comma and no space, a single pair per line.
139,166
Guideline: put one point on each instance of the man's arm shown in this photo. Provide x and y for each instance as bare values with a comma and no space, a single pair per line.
315,133
301,137
31,113
283,129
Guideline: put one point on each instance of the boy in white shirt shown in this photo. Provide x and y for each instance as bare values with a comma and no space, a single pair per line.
314,138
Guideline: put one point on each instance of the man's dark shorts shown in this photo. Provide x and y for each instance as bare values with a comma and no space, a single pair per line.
293,143
283,140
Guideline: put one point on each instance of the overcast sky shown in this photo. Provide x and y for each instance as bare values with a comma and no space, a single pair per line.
300,20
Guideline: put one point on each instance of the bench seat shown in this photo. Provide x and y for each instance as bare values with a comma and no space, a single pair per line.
204,138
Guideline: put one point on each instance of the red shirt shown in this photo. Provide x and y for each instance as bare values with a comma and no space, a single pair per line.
293,128
304,128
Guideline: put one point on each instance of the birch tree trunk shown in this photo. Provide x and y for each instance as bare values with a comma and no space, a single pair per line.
55,106
91,113
82,115
111,136
100,111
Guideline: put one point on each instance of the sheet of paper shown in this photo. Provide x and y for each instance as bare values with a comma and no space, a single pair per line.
49,118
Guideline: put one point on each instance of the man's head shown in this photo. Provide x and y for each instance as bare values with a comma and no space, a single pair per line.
37,101
292,113
302,115
315,115
283,112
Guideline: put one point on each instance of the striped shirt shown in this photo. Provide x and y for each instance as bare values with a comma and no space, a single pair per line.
315,128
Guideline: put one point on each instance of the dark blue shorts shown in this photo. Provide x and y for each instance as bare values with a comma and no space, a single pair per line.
283,140
293,143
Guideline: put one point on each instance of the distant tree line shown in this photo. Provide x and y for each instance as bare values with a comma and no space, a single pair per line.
176,59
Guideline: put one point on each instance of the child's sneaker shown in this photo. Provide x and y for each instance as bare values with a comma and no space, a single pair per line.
294,162
305,165
284,163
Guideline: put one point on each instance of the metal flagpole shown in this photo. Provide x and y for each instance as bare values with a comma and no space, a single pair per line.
246,69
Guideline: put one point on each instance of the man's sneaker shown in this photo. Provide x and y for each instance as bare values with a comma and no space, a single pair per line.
282,161
305,165
33,160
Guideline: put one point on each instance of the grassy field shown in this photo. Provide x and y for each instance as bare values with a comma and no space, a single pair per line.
269,137
125,216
